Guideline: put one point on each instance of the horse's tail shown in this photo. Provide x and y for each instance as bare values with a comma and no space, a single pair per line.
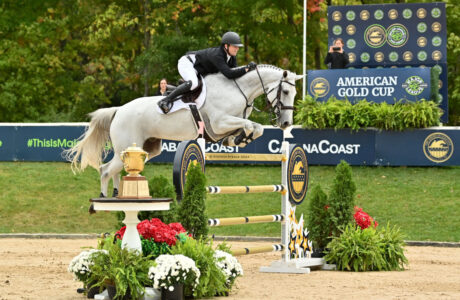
91,146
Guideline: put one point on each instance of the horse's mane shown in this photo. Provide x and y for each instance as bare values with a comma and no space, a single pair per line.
270,67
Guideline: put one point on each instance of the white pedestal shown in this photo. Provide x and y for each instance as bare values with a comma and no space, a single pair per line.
131,207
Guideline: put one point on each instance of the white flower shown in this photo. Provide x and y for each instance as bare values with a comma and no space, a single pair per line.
228,264
171,269
81,264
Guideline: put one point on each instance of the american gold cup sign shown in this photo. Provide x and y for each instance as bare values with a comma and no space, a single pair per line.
421,13
134,186
436,27
421,41
393,14
364,15
336,16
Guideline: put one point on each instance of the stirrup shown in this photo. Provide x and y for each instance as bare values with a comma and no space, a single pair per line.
165,106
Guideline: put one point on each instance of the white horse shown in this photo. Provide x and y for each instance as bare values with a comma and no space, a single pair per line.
226,109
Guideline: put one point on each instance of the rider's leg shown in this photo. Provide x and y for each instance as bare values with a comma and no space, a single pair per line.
189,74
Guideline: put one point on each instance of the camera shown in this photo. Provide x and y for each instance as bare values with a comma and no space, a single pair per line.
336,49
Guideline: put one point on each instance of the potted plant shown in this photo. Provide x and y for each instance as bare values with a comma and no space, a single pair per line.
123,272
81,266
171,273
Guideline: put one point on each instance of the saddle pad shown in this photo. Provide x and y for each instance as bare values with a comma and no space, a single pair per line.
181,105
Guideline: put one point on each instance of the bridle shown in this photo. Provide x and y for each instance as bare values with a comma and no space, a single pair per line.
275,105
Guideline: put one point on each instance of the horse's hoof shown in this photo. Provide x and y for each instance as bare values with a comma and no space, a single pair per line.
115,193
91,209
101,195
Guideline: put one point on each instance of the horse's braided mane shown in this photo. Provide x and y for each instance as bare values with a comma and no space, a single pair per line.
270,67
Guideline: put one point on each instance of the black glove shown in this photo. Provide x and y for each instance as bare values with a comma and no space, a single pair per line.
252,66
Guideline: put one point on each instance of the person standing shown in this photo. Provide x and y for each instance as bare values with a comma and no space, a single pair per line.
336,57
162,88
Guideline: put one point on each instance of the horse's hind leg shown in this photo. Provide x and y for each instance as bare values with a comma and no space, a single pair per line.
110,170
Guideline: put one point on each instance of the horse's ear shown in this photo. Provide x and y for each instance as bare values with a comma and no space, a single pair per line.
285,73
298,77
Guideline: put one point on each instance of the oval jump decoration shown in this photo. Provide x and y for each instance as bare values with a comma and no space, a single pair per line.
188,152
297,174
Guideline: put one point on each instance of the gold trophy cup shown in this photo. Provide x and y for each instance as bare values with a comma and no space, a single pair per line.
134,186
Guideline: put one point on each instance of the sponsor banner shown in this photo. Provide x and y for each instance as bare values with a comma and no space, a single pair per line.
391,34
418,147
425,147
377,85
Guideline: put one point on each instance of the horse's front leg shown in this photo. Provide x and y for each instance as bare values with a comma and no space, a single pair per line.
230,124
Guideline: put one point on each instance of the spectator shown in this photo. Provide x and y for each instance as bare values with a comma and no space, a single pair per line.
336,58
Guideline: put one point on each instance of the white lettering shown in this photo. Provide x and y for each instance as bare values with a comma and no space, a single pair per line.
273,146
325,147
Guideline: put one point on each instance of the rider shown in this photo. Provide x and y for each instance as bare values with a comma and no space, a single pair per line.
207,61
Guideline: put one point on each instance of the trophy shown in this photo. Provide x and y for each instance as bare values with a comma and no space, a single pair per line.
134,186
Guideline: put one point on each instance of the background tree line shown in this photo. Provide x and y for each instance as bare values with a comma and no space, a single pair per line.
61,59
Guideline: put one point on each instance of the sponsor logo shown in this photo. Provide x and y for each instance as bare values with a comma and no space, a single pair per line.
438,147
438,68
50,143
414,85
422,56
351,57
421,13
407,13
378,14
436,55
337,29
379,57
298,175
351,29
319,87
364,15
407,56
421,41
440,84
350,15
393,56
336,16
1,143
190,154
435,12
436,27
421,27
392,14
397,35
351,44
436,41
375,36
365,57
326,147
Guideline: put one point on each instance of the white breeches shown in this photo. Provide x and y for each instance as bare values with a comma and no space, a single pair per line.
187,71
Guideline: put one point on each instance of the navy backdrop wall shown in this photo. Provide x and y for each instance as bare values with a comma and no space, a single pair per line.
423,147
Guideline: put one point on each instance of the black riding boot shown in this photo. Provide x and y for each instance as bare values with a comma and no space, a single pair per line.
166,103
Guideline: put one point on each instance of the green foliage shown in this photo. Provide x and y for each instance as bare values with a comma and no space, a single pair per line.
192,209
342,198
126,269
318,219
212,279
340,114
367,250
153,249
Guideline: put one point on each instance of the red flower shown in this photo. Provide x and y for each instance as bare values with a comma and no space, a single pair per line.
362,219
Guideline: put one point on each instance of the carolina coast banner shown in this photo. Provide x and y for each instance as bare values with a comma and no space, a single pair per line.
423,147
378,85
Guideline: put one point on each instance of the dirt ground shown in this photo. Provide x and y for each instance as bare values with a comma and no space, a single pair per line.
37,269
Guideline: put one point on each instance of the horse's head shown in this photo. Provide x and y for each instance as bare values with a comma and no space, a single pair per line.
281,96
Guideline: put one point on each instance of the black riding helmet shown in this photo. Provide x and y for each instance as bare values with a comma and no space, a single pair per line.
231,38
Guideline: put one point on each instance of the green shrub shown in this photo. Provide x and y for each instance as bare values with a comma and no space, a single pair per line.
342,198
369,249
192,209
340,114
212,279
318,220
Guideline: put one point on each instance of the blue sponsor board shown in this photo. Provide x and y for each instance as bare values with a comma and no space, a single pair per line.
421,147
377,85
391,34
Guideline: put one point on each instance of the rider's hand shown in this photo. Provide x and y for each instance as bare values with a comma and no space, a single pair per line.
252,66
